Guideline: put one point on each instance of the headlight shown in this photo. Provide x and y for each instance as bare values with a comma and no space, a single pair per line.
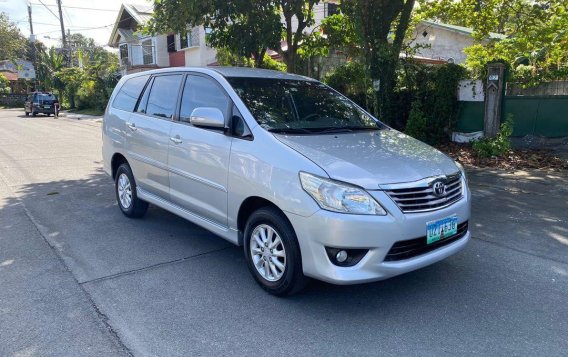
462,170
338,197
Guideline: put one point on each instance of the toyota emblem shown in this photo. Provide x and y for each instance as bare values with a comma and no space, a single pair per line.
439,188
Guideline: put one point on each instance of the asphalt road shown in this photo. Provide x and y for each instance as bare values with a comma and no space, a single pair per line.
78,278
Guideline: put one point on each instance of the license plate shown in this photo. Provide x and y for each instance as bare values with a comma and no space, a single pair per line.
46,106
441,229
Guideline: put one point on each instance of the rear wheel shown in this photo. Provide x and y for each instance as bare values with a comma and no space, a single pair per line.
126,195
34,114
272,252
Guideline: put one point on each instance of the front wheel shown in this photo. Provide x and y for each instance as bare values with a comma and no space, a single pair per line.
126,194
273,253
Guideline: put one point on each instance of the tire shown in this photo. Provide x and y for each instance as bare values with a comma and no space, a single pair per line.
48,114
34,114
126,196
291,279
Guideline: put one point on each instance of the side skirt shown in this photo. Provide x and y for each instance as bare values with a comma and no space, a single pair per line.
223,231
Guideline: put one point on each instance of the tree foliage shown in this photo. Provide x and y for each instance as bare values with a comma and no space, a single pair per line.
12,43
245,28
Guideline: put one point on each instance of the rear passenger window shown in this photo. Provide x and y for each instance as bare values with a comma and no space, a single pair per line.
128,95
202,92
163,96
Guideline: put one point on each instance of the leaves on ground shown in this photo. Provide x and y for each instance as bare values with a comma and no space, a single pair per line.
517,159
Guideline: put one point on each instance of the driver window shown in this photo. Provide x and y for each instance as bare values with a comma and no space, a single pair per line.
198,92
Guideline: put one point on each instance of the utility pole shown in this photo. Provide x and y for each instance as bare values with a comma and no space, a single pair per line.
30,18
63,39
32,41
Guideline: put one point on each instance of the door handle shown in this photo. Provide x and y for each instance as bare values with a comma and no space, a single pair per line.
176,140
131,126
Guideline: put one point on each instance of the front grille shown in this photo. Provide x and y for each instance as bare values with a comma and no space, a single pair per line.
406,249
422,197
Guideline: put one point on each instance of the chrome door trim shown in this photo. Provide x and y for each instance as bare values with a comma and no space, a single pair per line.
181,173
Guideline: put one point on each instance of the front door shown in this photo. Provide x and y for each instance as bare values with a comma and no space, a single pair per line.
150,127
198,157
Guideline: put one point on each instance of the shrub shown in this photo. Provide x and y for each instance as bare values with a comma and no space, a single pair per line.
497,146
417,125
435,90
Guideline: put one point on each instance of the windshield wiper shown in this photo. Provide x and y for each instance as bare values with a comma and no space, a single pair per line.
345,129
290,131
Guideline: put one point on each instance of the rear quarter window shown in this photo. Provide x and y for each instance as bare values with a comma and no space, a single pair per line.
128,94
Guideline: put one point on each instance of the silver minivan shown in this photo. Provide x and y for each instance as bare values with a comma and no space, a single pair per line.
310,184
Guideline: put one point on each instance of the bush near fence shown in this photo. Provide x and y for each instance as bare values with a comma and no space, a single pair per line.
12,100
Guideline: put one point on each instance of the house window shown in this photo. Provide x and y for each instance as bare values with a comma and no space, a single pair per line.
183,40
123,50
189,39
147,52
171,41
330,9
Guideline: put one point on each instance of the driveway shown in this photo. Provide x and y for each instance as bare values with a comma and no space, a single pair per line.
78,278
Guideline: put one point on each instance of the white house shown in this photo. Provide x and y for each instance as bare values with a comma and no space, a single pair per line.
138,52
445,42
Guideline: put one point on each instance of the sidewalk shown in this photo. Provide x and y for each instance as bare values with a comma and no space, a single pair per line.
69,115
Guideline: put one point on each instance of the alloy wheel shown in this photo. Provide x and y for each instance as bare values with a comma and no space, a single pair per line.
124,191
268,252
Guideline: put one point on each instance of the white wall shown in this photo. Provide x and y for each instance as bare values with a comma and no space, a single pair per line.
161,55
201,55
470,90
444,44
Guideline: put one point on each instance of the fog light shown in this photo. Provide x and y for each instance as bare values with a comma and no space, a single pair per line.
345,257
341,256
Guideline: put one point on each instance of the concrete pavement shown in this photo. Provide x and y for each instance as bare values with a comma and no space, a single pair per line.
78,278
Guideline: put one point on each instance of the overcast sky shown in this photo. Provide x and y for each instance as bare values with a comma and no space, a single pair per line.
95,22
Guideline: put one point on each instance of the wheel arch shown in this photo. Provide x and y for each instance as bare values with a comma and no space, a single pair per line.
247,207
117,160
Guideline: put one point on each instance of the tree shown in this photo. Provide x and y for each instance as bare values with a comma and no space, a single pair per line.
49,63
246,28
4,84
243,27
381,27
302,12
12,42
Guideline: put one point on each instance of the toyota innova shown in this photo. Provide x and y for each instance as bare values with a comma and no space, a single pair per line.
309,183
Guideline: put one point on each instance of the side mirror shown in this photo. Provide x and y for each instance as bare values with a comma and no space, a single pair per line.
207,117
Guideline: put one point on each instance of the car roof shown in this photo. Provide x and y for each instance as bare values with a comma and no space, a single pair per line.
257,73
230,72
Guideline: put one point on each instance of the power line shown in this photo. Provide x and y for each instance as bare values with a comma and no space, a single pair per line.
53,13
79,7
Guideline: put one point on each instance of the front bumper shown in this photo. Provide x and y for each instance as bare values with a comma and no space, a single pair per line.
375,233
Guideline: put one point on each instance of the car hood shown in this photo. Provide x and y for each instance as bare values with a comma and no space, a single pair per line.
370,159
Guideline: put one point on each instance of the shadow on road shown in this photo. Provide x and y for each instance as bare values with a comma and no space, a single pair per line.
168,286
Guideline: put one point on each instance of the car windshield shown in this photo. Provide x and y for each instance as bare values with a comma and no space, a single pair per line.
300,106
46,98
